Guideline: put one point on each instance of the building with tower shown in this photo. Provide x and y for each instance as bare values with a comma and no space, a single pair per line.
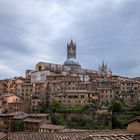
70,66
71,50
71,57
103,70
68,83
71,84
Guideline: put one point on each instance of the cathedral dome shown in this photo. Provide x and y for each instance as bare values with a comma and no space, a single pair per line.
71,61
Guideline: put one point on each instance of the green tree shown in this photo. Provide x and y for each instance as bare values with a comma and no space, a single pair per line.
116,123
54,106
77,122
115,106
17,126
58,120
138,106
44,108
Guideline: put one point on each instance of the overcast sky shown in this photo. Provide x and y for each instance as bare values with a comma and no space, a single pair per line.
38,30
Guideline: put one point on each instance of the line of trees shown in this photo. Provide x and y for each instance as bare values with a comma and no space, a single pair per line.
86,116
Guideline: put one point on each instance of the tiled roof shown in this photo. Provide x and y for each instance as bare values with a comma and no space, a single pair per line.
51,126
137,118
20,115
8,94
39,115
2,136
32,120
81,135
14,114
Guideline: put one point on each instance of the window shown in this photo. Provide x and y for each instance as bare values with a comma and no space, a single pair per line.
82,96
73,96
39,68
47,117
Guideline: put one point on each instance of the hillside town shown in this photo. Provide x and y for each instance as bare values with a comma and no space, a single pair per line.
51,92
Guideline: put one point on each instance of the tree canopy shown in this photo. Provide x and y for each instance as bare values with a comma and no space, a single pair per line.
115,106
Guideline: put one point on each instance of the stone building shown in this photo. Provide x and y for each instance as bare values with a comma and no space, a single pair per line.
12,82
25,91
33,93
129,91
31,122
64,89
35,121
2,87
12,103
70,84
40,95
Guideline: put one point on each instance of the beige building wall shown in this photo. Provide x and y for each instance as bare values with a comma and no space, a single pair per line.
25,91
72,97
12,98
106,96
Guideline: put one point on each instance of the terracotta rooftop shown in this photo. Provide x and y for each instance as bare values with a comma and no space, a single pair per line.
2,136
51,126
14,114
32,120
20,116
76,91
39,115
137,118
80,135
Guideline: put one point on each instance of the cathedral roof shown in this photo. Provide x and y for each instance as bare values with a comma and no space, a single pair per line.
71,61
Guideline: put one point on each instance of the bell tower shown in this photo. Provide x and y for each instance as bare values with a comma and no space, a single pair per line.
71,50
71,56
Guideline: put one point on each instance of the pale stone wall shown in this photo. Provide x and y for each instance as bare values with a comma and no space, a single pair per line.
38,76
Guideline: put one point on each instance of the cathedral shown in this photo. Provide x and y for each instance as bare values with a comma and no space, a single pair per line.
70,66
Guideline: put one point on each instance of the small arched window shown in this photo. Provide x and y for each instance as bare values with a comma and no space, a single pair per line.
39,68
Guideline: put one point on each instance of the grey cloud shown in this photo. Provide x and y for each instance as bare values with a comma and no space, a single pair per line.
39,30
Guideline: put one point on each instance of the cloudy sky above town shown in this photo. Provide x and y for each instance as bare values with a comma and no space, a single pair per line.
38,30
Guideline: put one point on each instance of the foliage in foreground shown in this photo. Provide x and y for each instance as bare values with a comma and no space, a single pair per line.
120,115
17,126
